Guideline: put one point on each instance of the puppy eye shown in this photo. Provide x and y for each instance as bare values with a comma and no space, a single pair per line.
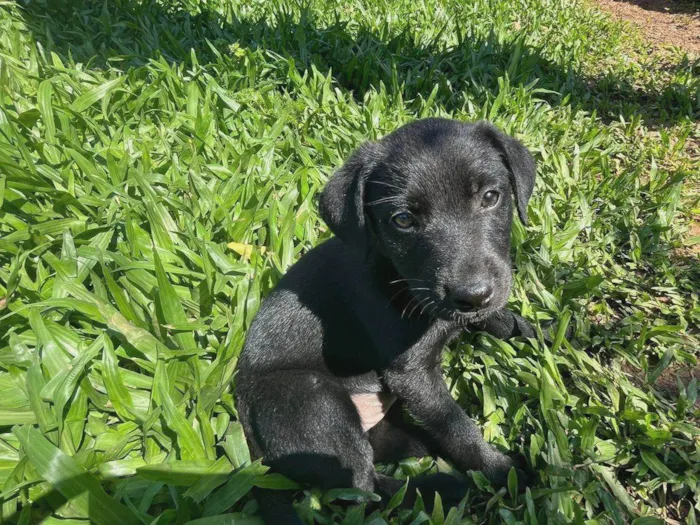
490,199
403,220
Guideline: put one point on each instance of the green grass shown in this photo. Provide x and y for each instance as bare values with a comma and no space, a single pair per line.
149,151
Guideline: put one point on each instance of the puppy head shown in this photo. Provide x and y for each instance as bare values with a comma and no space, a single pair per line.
435,197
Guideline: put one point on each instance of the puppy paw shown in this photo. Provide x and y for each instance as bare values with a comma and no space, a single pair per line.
498,466
549,331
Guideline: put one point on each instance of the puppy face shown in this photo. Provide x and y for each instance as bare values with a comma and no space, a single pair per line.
436,198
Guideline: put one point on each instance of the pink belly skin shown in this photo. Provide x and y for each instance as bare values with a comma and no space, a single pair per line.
372,407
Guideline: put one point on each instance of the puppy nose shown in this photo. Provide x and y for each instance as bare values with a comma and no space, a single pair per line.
469,297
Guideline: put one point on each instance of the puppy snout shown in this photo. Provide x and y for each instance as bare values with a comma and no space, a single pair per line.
467,297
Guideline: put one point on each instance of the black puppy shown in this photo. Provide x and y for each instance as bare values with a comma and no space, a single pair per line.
354,332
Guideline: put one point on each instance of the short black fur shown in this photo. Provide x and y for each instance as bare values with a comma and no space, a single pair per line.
422,251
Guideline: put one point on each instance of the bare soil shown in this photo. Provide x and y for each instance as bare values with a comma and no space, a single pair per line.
663,22
667,383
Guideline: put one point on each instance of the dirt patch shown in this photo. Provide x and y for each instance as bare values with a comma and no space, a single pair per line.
694,232
667,383
668,380
663,22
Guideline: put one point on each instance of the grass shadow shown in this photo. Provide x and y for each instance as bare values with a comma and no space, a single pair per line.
685,7
661,275
80,504
360,56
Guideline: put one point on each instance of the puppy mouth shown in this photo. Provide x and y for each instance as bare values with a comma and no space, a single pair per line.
471,317
429,303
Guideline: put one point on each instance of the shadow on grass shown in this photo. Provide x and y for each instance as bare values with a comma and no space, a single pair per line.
685,7
86,506
658,291
128,33
141,499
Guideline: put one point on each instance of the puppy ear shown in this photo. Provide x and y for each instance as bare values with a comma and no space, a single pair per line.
342,200
520,164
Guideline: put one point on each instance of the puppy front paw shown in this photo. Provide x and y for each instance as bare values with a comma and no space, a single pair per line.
497,466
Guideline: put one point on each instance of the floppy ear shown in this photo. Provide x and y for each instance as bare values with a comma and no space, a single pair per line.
342,200
520,163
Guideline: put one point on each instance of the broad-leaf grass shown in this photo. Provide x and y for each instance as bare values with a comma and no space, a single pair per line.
159,165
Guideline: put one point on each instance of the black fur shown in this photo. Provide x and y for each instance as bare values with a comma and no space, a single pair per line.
372,309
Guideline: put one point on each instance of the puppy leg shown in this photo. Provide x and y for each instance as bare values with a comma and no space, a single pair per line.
394,439
458,439
305,426
277,506
450,488
504,324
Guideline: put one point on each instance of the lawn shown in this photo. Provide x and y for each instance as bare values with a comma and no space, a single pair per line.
159,168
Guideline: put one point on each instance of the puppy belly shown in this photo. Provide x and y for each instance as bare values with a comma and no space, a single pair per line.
372,407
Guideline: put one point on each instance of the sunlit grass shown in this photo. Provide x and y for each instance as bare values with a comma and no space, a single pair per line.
159,163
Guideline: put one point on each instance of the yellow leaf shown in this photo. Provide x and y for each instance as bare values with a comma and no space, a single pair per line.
244,250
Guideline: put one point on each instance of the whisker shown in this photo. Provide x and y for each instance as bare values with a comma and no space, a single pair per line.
394,296
418,303
427,298
399,280
426,306
382,201
385,184
406,307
